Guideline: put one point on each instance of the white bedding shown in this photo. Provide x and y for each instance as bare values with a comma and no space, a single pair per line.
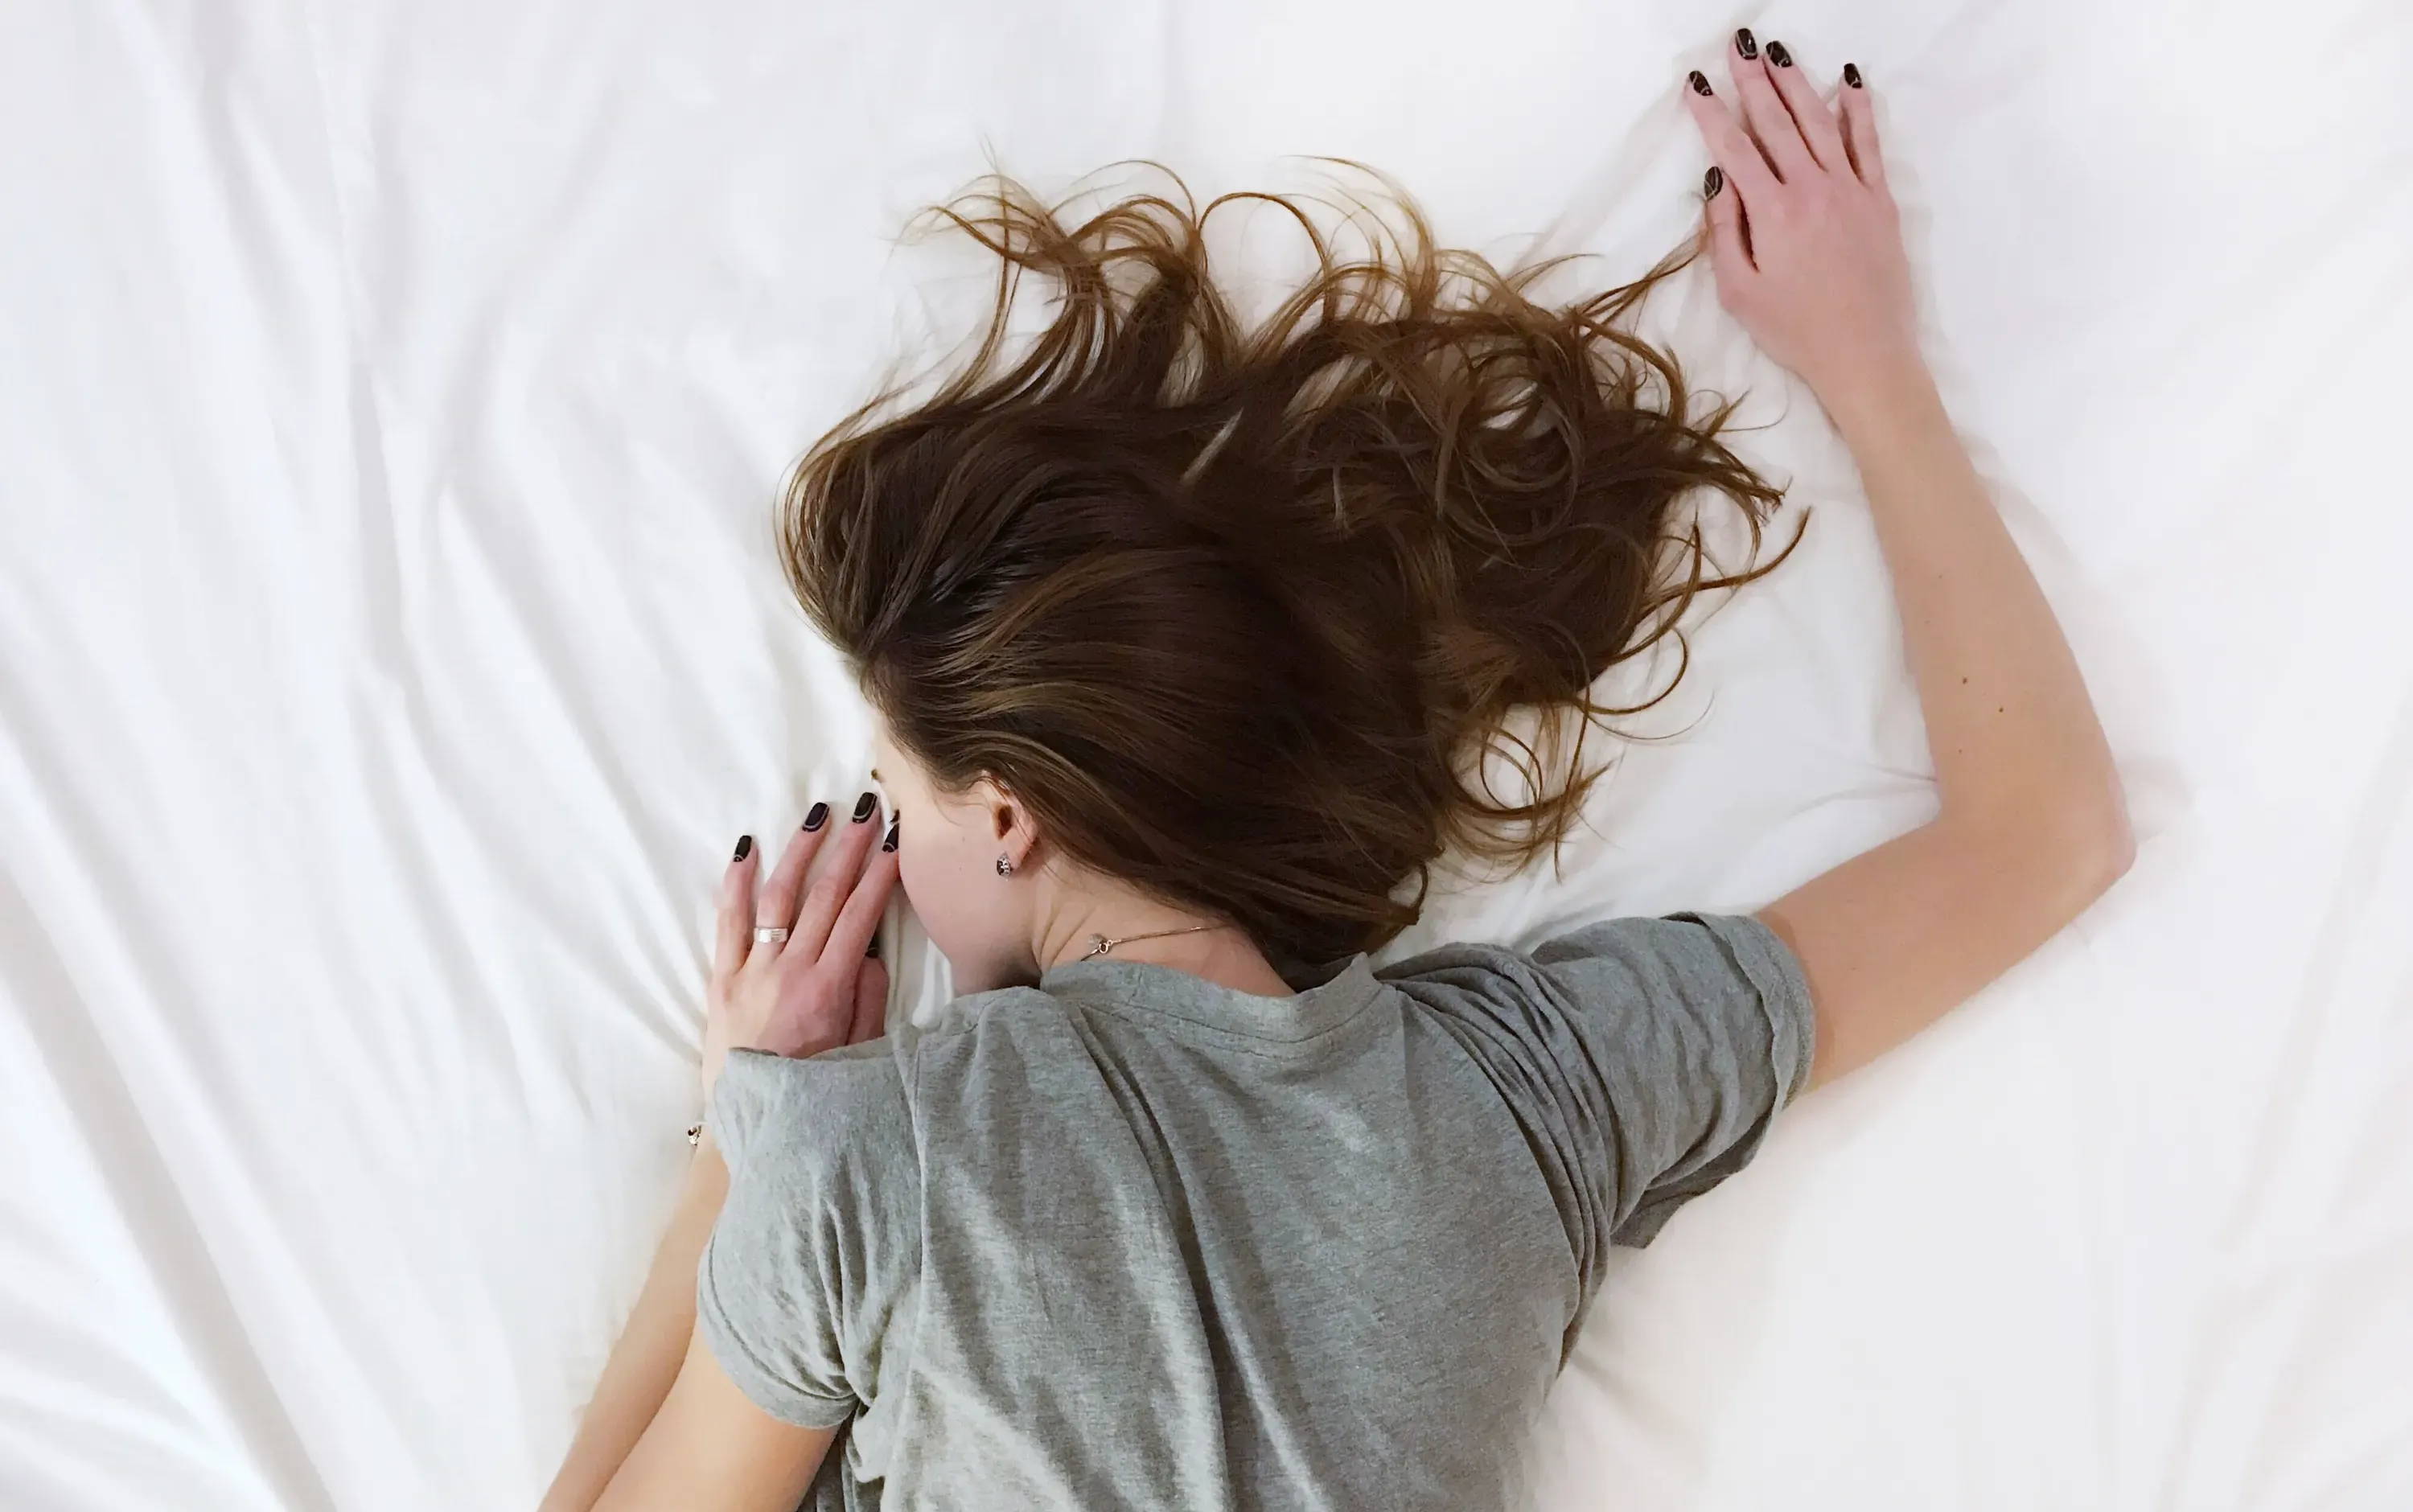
390,397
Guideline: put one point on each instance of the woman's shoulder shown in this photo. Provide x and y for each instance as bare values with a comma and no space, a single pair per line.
1683,932
966,1027
807,1115
858,1103
1630,961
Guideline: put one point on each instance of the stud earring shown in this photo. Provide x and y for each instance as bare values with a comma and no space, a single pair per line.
1004,866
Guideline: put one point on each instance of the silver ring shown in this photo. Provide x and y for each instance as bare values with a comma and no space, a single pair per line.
769,934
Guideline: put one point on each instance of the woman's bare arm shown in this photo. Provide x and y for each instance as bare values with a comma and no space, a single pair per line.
667,1429
2033,828
645,1362
2032,824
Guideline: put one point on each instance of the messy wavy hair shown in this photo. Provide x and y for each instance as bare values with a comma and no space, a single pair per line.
1242,611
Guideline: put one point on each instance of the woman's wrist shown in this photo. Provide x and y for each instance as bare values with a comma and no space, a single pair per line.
1878,398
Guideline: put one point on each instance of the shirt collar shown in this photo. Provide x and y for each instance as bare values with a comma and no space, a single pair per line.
1335,993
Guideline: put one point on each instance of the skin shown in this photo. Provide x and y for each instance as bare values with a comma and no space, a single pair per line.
1806,246
998,930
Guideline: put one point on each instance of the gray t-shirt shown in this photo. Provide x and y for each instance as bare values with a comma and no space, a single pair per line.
1129,1239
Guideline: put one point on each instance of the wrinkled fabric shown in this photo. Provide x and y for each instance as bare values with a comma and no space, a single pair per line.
391,649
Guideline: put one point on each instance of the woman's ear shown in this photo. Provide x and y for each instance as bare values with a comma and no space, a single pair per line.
1009,821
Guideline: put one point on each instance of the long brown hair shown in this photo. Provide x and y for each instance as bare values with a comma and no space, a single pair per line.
1240,611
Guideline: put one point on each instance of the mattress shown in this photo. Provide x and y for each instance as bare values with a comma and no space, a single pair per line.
390,649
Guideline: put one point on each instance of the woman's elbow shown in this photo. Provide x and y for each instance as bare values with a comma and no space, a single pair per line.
2099,843
2076,850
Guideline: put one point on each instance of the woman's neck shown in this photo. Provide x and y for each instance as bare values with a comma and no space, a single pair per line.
1155,934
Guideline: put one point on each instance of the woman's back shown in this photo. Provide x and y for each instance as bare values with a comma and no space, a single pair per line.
1131,1238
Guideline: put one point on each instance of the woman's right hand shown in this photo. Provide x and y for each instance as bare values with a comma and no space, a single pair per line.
1803,234
820,987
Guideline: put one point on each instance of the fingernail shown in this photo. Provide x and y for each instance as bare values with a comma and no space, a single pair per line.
865,805
1700,82
1776,54
745,847
1744,44
890,843
816,816
1852,74
1711,182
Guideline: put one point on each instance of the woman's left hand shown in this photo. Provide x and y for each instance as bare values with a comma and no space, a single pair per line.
820,987
1803,233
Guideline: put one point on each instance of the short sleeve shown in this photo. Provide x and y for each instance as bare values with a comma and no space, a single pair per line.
1644,1058
1700,1028
817,1247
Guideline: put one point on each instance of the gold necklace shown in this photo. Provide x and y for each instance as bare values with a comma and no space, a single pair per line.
1099,944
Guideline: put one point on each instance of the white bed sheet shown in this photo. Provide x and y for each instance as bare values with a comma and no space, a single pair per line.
391,648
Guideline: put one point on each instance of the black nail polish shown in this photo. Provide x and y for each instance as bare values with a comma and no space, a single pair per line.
1852,74
1744,43
1711,182
890,843
1776,54
865,805
816,816
1700,82
745,847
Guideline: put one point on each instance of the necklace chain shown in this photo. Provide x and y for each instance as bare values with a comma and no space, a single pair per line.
1099,944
